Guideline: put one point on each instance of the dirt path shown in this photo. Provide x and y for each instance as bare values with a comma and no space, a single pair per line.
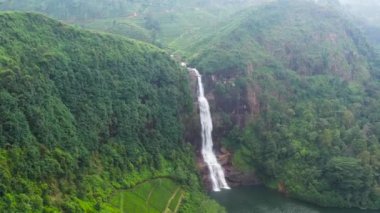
167,210
179,202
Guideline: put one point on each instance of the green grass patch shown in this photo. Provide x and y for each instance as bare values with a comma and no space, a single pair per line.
151,196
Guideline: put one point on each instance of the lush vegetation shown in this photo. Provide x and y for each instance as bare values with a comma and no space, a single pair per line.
158,195
297,99
89,121
159,22
85,114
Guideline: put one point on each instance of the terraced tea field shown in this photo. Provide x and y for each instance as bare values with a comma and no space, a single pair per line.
155,196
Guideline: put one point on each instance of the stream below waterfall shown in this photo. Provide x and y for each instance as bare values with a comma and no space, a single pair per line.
258,199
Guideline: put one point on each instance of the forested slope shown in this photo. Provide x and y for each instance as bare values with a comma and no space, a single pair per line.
83,114
159,22
295,95
293,85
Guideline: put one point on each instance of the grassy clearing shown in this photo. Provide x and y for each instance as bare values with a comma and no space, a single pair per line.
159,195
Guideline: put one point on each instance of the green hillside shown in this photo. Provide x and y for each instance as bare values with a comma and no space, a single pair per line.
305,38
159,195
159,22
96,122
85,114
296,96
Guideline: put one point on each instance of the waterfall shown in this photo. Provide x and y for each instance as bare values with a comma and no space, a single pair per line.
216,171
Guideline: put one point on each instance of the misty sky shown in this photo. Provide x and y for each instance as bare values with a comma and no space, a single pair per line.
367,9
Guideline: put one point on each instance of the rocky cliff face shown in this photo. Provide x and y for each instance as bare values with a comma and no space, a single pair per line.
225,116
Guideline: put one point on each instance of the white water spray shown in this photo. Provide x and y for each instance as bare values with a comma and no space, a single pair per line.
216,171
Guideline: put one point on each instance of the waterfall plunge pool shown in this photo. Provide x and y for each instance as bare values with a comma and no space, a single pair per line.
258,199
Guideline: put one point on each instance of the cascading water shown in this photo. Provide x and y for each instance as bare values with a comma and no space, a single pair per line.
216,171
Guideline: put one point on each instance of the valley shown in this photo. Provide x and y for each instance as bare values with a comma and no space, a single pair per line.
97,113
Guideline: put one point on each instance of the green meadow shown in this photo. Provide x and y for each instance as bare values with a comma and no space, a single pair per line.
158,195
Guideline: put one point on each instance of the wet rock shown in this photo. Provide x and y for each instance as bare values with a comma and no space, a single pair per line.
224,159
223,150
234,176
281,187
238,178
